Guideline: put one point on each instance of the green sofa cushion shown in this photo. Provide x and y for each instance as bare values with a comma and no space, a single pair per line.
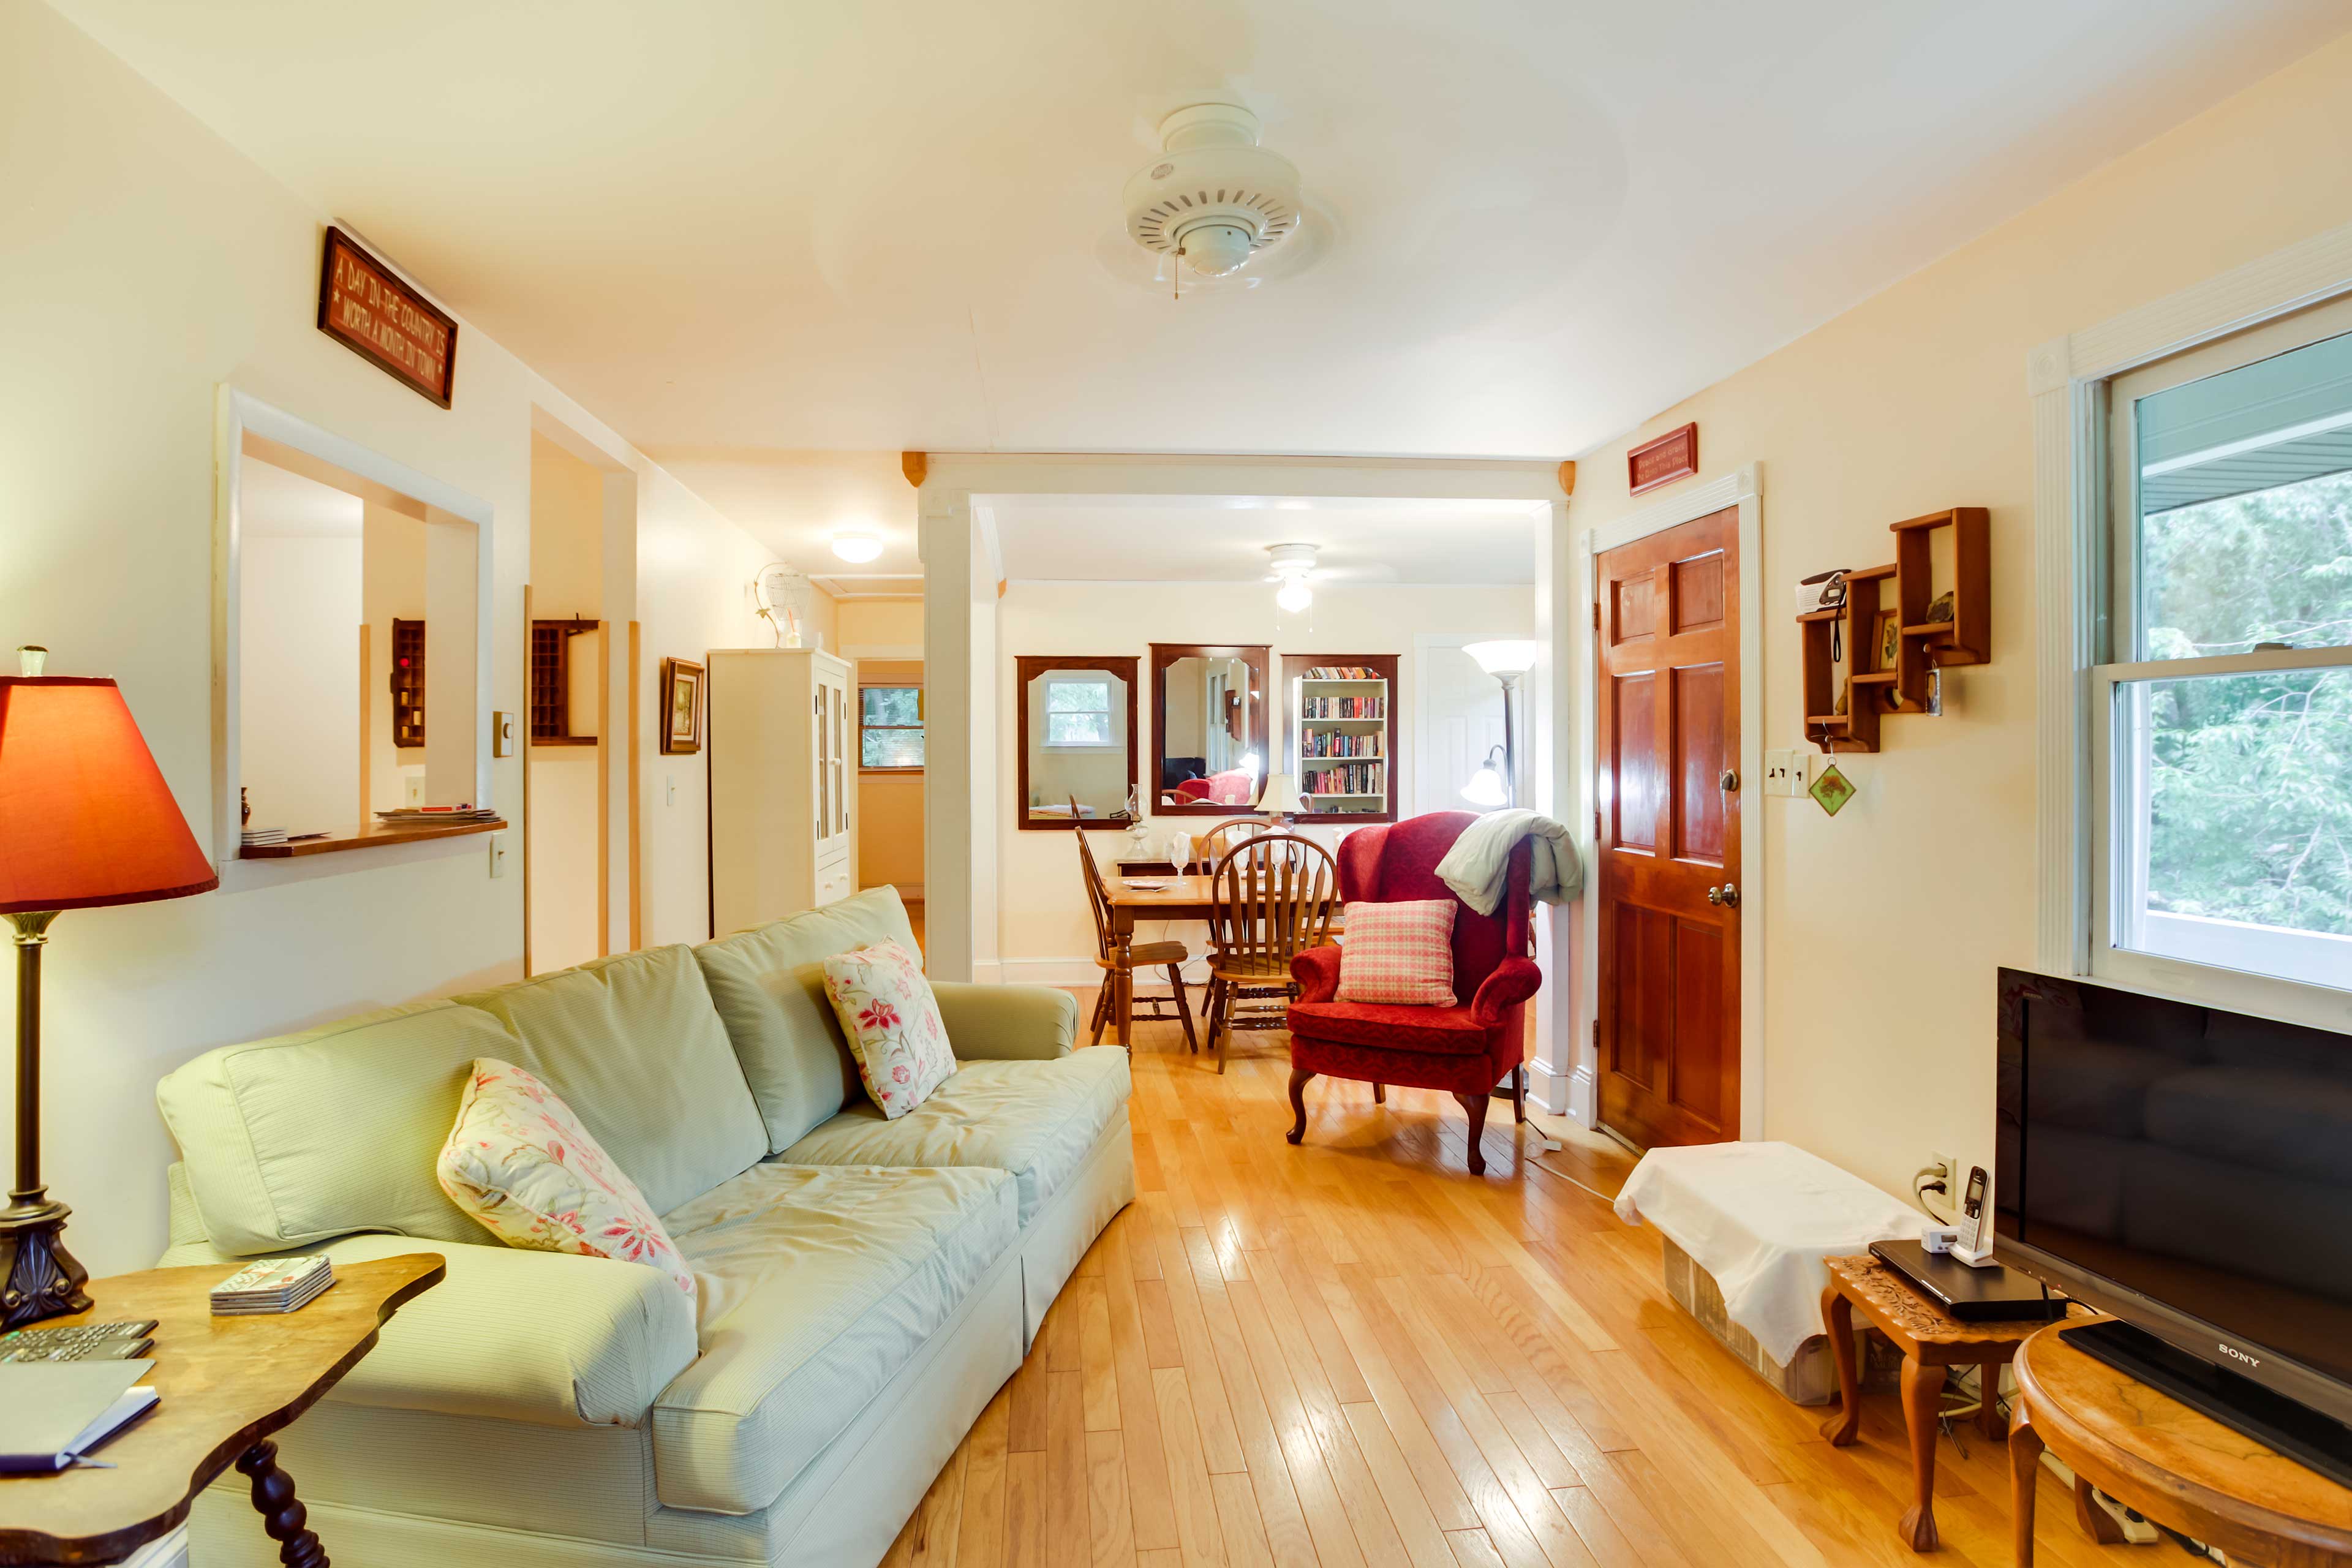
334,1130
634,1046
768,984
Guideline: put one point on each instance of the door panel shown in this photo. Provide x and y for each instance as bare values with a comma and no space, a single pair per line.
1668,715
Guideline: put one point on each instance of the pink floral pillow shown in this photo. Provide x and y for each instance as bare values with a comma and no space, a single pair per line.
1399,954
522,1164
886,1008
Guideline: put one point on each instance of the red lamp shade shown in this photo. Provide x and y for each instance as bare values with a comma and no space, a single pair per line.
86,819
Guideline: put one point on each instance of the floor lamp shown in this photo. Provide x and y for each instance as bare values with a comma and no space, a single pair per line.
86,820
1506,660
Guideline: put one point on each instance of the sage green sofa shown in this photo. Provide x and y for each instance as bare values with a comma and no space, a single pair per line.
864,1286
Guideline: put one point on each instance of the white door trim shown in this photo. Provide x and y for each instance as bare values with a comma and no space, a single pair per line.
1742,488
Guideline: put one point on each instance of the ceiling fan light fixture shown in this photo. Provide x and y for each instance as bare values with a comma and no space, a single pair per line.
856,545
1294,596
1291,565
1213,196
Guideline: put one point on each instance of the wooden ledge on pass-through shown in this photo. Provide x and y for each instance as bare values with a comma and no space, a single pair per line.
370,838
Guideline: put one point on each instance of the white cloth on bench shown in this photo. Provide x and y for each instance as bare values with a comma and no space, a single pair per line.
1760,1218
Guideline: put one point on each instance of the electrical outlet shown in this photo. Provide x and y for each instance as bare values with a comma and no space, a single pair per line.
670,789
1945,1204
498,853
1784,772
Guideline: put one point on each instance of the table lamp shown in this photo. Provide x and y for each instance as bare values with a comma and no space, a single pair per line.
86,820
1279,800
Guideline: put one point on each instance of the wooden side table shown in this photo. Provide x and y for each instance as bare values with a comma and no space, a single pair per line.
2152,1453
1931,1342
224,1385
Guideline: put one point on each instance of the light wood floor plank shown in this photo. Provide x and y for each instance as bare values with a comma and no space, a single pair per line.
1352,1354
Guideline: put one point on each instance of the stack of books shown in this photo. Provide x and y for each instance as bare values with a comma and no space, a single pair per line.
257,836
415,816
276,1285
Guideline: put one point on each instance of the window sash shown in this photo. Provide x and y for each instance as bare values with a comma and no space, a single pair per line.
2119,789
1108,741
918,728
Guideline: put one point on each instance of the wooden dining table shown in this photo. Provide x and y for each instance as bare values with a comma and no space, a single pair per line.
1179,897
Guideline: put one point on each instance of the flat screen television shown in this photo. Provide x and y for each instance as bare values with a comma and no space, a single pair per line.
2189,1170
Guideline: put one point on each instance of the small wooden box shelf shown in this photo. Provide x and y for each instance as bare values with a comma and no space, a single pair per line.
408,682
550,682
1874,686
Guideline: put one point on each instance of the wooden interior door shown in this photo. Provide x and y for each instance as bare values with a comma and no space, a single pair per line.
1667,716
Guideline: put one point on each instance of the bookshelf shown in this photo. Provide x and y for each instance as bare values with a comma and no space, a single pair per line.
1342,734
407,683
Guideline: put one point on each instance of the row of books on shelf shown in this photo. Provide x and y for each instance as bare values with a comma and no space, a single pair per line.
1341,672
1343,707
1349,778
1339,743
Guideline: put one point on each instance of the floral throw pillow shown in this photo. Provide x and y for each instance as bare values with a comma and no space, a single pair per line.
886,1008
1399,954
522,1164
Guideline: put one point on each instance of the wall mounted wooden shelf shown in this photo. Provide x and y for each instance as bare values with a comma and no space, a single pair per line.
551,681
1883,631
407,683
365,839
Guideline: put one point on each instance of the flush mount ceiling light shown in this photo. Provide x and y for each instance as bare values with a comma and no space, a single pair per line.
1291,565
857,544
1215,197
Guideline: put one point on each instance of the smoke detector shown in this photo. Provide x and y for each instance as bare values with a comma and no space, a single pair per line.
1213,197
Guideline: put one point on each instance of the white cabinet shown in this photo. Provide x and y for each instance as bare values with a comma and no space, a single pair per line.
784,784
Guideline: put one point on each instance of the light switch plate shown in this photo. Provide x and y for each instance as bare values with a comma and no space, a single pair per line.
1784,772
498,853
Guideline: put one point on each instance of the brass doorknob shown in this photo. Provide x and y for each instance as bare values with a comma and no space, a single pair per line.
1729,782
1726,897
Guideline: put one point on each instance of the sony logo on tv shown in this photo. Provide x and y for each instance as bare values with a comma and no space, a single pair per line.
2236,1355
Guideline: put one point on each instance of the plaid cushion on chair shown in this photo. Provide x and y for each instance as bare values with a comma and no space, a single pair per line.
1399,954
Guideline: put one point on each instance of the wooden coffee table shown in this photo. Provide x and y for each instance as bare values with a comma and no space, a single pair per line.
2150,1452
1932,1342
226,1384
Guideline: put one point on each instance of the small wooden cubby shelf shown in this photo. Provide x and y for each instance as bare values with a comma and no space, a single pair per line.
1875,686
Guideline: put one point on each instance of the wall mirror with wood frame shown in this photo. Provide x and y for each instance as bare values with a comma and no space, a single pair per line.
1075,720
1209,727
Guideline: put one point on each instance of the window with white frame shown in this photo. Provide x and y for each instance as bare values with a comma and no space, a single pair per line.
2221,727
1078,713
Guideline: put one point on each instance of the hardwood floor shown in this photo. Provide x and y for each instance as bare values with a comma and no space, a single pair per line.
1353,1353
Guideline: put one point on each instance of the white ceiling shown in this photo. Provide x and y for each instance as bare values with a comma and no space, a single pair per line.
1224,539
740,224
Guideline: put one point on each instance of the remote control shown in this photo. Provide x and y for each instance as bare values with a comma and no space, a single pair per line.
76,1333
78,1349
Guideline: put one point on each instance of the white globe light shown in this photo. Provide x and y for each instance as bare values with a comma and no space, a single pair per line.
858,546
1294,596
1213,249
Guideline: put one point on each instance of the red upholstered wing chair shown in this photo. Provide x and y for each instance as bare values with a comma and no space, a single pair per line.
1464,1050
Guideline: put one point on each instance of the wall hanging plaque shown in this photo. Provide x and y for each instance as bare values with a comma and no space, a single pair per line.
368,311
1671,456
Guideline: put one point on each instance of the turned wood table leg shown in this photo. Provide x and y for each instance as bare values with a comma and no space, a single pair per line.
282,1516
1923,1390
1837,1313
2024,1471
2096,1522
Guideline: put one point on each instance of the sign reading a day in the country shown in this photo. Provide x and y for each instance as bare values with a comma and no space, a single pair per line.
368,310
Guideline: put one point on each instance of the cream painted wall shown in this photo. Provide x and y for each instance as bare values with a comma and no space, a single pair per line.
392,586
299,675
107,399
567,579
893,624
1883,927
889,802
1044,932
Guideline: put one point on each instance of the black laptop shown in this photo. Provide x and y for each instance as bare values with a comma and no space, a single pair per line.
1988,1295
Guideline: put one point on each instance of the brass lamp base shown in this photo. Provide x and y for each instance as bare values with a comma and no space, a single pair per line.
42,1279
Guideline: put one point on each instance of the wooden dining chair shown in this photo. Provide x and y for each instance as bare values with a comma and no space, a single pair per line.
1210,847
1272,897
1119,968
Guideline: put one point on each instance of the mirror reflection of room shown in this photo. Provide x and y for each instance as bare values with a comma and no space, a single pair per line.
356,624
1078,746
1205,754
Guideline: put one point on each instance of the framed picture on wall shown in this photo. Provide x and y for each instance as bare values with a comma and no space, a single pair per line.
681,706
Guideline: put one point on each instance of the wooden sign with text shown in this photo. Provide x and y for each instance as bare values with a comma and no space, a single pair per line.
1673,456
368,310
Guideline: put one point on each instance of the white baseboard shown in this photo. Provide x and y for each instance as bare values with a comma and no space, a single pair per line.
1552,1090
987,971
1050,972
1583,1096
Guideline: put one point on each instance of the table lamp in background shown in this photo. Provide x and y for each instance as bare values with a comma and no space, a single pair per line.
86,820
1279,800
